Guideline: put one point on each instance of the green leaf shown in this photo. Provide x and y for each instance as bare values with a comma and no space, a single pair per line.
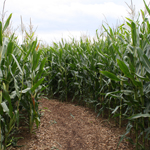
17,64
14,65
7,23
1,96
147,63
148,10
7,97
134,34
110,93
137,83
140,51
115,109
25,90
15,83
32,47
13,94
141,77
127,92
5,108
16,88
124,68
38,75
10,48
139,116
128,24
110,75
121,39
112,34
132,68
42,64
36,58
1,36
100,64
129,19
144,59
9,52
37,84
106,30
143,15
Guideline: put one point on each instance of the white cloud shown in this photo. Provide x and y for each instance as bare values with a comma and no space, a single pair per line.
58,9
109,9
57,15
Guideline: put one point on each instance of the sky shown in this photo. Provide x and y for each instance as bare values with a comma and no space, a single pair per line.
56,19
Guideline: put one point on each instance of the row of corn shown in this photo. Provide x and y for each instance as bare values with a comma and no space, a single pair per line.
110,74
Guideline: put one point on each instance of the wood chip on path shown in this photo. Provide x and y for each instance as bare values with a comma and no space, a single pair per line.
65,126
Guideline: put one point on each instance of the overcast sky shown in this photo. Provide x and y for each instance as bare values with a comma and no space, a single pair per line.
56,19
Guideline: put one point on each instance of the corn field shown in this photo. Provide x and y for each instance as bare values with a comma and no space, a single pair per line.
110,74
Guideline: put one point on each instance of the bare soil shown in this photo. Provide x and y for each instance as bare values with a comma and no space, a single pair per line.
65,126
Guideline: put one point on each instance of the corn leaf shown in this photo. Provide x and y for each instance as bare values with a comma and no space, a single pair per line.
1,37
134,34
7,23
40,72
115,109
110,75
144,59
124,68
9,52
25,90
129,19
110,93
5,108
148,10
137,83
139,116
143,15
17,64
36,59
7,97
36,85
32,47
141,77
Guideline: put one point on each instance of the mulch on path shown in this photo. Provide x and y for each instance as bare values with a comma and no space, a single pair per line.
65,126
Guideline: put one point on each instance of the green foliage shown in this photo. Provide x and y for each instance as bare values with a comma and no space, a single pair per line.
22,74
7,23
111,73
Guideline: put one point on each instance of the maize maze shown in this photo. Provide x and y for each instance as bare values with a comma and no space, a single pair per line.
110,74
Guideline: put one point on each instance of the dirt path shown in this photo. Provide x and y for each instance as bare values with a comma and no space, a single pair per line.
69,127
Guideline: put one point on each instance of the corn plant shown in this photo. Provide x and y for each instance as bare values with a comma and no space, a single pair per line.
133,76
21,76
6,47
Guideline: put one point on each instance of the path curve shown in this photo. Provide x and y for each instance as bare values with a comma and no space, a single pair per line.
65,126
